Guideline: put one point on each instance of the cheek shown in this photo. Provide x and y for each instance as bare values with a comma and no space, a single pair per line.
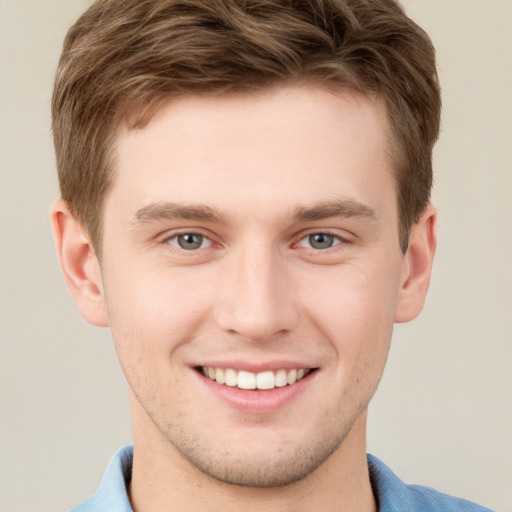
152,297
354,290
151,314
354,308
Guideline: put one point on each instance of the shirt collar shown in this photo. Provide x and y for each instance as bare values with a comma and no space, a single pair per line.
112,494
391,494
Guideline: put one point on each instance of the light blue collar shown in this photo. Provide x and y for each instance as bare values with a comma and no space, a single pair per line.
391,493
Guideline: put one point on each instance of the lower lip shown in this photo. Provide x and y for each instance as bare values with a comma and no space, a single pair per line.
258,401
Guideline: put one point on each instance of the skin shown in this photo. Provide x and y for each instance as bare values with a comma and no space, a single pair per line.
255,177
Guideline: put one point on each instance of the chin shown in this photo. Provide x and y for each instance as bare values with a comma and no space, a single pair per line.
262,465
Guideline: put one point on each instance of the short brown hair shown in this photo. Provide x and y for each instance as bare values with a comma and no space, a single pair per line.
123,58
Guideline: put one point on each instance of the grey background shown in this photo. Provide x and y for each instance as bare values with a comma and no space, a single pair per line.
442,416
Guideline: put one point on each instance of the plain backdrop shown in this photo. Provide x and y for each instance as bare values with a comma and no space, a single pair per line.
443,413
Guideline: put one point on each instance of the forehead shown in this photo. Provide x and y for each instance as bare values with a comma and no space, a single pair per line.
290,146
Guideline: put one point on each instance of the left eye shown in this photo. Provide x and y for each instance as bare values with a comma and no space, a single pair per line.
189,241
320,241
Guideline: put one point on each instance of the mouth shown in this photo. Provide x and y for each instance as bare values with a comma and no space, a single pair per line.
247,380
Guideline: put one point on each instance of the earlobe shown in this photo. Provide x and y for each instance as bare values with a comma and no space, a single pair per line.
79,264
417,266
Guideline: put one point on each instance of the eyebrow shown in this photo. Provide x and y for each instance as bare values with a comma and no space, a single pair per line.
344,208
174,211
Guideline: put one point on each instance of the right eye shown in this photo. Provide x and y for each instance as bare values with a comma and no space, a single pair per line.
189,241
320,241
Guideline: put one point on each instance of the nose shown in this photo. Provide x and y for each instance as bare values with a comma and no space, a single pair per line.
257,299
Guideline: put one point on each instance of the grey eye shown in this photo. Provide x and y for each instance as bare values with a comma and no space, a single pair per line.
189,241
321,241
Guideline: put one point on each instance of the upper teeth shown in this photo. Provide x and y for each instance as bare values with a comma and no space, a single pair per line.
249,380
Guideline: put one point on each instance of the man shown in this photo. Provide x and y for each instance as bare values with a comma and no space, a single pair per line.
245,204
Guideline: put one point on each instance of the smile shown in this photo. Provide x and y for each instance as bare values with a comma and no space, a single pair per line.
249,380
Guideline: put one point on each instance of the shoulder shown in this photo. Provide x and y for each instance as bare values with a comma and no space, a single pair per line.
393,495
429,499
112,495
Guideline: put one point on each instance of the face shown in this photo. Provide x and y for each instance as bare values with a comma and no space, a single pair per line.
251,271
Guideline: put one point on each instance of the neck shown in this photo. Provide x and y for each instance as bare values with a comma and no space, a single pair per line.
162,480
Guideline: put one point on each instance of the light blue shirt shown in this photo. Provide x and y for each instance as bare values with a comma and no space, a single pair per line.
391,493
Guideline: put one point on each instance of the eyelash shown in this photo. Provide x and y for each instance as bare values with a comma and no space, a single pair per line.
336,240
176,237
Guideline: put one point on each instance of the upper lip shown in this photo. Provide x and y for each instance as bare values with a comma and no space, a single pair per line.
256,367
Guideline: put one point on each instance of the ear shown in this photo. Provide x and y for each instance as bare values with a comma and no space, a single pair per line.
417,266
79,264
